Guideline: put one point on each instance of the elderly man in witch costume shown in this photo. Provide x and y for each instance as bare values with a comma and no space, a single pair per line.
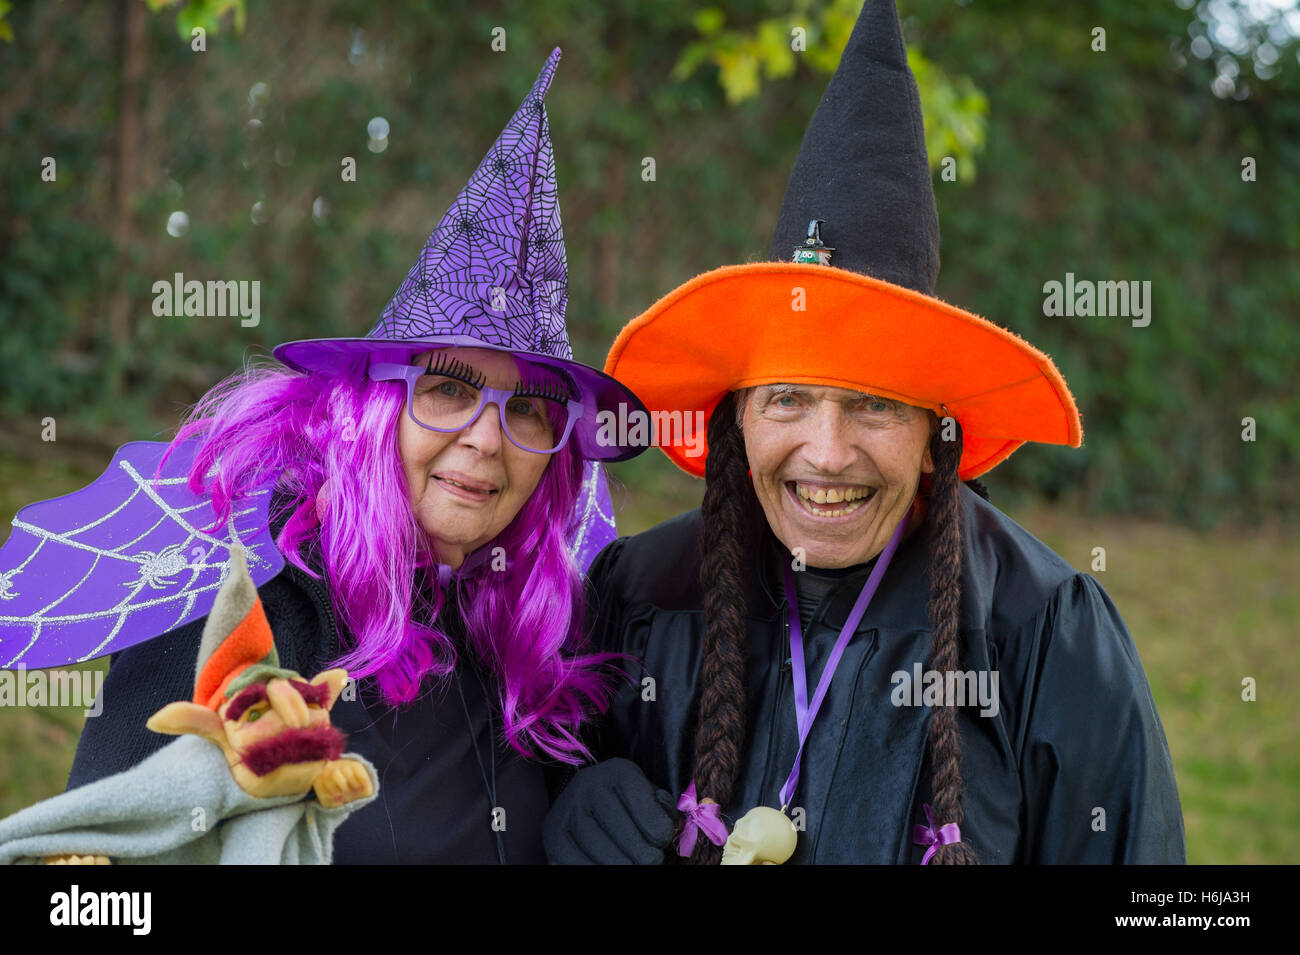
434,493
850,655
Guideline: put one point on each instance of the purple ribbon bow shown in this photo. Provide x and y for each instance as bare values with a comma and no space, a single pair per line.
700,817
927,835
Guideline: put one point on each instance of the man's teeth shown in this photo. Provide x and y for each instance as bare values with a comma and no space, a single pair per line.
852,497
834,495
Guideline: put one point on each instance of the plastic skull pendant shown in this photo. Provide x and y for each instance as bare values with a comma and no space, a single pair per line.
763,836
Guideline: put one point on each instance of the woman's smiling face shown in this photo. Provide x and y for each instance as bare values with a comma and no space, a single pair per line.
467,486
835,470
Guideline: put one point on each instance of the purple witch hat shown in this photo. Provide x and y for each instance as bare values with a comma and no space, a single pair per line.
134,554
492,275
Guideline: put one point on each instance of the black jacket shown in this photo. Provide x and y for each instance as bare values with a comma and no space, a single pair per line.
434,782
1074,766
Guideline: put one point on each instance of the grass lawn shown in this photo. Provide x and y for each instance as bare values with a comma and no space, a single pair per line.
1207,610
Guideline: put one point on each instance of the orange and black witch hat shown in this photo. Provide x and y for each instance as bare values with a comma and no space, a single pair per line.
849,300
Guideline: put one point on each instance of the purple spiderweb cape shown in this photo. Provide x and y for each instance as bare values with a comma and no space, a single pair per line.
129,557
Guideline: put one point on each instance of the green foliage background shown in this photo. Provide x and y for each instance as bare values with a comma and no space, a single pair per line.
1119,164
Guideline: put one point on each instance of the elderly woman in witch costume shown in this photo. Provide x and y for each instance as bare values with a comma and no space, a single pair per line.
433,487
850,655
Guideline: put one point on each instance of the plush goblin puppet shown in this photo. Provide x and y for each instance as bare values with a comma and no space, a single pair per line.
254,739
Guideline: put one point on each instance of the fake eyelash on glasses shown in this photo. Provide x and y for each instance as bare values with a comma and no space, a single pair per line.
454,368
551,390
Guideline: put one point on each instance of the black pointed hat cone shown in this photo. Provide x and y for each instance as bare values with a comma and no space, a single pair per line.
863,168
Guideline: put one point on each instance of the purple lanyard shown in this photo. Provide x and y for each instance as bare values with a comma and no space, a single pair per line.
805,714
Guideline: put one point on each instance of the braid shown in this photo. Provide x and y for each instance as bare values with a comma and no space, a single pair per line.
720,731
945,518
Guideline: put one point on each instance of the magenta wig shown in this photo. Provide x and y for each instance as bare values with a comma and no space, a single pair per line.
339,433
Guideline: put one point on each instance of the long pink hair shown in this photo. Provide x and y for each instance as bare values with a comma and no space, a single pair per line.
525,624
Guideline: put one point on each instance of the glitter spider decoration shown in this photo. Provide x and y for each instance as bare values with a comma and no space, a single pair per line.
157,570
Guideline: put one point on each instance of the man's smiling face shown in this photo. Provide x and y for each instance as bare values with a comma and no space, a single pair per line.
835,470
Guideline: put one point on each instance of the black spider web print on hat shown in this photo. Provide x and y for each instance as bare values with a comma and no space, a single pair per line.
495,268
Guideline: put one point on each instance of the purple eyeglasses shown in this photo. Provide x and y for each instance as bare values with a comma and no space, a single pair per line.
448,396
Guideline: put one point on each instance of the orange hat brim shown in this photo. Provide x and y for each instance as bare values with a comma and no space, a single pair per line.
737,326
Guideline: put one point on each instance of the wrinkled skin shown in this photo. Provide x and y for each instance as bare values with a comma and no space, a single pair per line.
502,476
834,441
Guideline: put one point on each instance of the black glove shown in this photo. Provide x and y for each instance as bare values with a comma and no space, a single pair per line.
610,814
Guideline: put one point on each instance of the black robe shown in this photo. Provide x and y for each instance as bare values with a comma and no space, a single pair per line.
1072,768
